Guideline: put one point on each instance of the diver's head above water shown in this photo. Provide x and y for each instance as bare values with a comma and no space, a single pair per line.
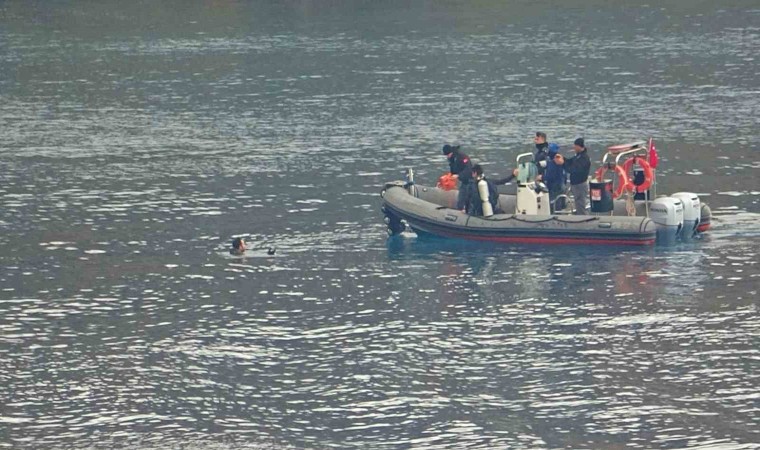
238,246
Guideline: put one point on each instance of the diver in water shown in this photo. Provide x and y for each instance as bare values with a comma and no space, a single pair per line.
238,246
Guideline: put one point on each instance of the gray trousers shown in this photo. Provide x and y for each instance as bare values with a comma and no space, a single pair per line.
580,193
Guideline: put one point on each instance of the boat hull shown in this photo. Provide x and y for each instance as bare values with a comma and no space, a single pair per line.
428,211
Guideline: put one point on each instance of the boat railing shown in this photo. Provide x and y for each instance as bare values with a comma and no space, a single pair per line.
523,155
619,152
526,172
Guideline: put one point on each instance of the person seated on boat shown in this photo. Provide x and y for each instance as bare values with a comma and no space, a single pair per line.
460,166
579,167
238,246
475,205
554,177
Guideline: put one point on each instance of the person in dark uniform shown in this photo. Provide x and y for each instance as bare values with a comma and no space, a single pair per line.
578,167
541,157
460,166
475,205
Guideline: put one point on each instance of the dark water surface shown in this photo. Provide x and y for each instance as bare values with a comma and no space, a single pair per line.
137,137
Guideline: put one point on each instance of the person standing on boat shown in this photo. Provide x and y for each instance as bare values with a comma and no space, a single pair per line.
578,167
477,198
541,157
554,176
461,167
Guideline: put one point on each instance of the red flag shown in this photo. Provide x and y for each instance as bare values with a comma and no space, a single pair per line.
653,159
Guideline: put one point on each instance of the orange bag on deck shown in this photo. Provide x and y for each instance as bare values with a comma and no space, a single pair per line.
447,182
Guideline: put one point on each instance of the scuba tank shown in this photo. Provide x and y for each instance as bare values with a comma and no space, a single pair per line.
483,191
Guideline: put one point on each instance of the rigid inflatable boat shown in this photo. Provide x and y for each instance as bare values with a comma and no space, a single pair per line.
528,216
427,210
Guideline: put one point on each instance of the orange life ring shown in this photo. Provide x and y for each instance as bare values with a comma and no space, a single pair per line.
623,181
648,173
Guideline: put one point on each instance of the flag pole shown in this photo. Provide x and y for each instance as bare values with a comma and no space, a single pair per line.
654,169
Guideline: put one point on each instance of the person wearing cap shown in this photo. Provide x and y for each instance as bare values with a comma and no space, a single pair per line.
578,167
475,204
460,166
554,176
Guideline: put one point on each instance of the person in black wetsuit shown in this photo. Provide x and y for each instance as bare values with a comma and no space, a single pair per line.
461,166
475,205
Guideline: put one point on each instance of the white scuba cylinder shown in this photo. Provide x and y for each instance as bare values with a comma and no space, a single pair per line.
483,191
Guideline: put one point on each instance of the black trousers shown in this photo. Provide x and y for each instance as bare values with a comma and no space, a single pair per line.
464,195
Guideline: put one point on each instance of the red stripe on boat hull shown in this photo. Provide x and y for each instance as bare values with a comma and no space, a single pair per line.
703,227
548,240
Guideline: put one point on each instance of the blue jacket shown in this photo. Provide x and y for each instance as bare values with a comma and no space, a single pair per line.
554,175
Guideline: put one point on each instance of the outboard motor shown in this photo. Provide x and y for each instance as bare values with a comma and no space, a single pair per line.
667,213
692,210
705,218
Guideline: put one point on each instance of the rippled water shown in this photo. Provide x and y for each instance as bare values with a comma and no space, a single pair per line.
138,138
